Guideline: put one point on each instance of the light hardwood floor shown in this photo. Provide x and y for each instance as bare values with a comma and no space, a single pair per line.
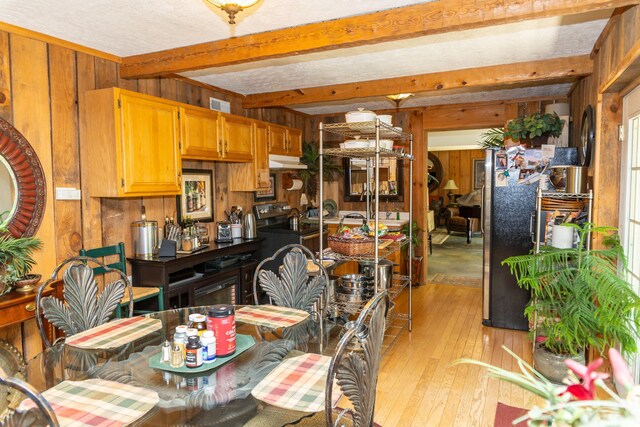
416,385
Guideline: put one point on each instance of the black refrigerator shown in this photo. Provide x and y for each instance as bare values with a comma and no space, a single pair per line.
508,217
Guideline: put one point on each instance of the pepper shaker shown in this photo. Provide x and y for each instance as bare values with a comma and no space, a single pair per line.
177,360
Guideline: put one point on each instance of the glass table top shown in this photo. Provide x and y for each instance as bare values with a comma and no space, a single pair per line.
219,396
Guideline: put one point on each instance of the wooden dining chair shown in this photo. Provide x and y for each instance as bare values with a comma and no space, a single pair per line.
292,286
42,414
83,305
140,293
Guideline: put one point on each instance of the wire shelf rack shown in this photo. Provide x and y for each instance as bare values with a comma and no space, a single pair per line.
365,130
382,253
364,153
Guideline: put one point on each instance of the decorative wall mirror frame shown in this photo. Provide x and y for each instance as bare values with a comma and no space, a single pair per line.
434,170
587,137
351,195
25,178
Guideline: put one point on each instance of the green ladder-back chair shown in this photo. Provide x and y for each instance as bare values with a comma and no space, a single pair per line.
139,293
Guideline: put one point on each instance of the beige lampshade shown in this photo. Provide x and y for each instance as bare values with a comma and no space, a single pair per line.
451,185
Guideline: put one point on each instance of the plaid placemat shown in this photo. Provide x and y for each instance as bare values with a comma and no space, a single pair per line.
97,402
297,384
115,333
270,315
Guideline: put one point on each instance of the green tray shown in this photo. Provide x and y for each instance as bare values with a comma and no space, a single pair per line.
243,343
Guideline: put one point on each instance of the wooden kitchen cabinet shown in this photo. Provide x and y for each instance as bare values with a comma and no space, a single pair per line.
294,141
201,138
285,141
237,138
133,144
277,140
255,175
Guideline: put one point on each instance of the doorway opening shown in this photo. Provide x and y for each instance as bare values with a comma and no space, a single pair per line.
456,202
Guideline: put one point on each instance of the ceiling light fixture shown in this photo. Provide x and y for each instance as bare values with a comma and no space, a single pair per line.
399,98
233,7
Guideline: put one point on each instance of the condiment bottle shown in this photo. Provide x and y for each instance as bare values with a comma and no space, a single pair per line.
222,322
199,322
194,352
176,357
180,338
208,342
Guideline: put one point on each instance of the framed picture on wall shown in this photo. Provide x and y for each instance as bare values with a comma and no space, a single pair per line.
196,200
267,194
478,174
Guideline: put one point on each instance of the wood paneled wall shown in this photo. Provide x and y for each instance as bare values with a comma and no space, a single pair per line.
458,166
621,41
42,89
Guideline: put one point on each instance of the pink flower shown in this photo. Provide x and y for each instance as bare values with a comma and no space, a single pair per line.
620,370
585,390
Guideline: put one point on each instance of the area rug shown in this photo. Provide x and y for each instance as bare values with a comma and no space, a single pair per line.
505,414
445,279
439,236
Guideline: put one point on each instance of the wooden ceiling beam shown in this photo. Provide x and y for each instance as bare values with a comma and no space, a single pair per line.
394,24
467,80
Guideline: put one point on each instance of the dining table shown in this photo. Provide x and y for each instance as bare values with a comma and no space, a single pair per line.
210,396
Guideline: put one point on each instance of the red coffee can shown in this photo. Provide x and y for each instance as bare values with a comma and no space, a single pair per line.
222,321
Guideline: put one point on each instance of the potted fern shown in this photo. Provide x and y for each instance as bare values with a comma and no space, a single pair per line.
15,256
331,170
578,299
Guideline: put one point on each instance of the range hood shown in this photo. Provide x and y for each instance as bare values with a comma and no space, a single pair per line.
285,162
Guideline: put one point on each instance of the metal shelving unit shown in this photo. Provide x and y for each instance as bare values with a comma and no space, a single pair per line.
374,130
540,195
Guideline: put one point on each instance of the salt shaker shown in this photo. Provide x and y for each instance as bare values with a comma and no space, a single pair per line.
166,352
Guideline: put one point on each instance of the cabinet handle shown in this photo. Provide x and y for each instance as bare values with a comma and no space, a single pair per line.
220,146
226,146
30,307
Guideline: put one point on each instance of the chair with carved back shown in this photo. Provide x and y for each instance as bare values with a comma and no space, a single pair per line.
40,415
84,306
294,287
140,293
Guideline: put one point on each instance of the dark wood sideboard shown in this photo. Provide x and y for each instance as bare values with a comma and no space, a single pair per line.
192,279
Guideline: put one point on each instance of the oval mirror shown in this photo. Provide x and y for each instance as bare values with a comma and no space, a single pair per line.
21,172
9,193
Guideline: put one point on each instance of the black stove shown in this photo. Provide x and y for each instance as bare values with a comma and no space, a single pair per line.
272,220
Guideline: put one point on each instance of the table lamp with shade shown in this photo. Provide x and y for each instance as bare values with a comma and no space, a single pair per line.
450,185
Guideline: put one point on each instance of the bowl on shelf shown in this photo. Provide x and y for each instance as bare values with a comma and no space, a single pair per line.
361,115
386,118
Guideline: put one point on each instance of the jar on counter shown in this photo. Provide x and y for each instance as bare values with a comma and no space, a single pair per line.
193,358
198,322
221,320
208,341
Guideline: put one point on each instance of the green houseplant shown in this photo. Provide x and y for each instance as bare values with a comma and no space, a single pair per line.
535,125
331,170
15,256
578,296
414,261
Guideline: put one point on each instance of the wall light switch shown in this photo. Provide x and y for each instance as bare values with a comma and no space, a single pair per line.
67,193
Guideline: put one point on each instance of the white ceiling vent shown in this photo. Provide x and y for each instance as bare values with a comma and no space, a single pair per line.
219,105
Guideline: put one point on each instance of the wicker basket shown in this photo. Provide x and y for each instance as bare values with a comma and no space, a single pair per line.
351,246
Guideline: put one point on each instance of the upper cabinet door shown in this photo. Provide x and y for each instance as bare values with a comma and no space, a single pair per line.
294,142
238,138
150,158
200,134
261,159
278,140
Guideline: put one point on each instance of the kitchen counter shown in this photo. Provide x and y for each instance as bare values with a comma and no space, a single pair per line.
219,249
